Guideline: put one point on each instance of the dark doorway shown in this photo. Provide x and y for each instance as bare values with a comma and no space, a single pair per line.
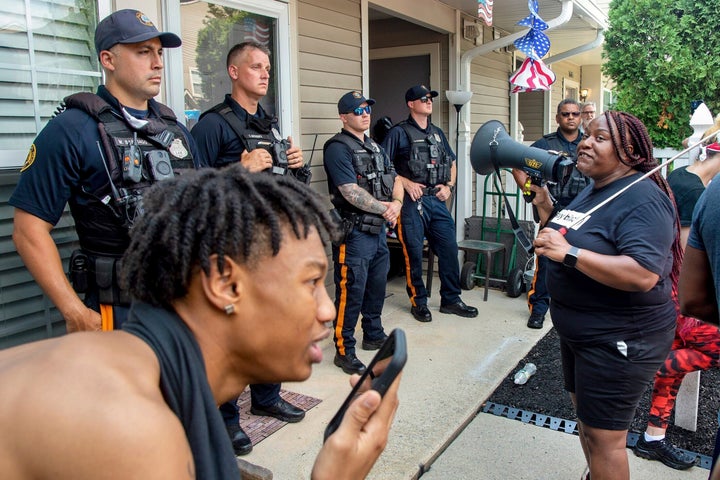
389,80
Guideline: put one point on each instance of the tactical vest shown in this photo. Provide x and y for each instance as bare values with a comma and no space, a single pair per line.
134,159
565,193
368,161
257,133
429,163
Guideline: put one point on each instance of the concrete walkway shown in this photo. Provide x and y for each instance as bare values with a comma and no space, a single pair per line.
454,364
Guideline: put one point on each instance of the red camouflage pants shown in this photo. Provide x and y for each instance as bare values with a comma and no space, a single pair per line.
696,347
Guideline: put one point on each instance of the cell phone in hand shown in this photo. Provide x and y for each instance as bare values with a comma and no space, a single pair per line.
379,374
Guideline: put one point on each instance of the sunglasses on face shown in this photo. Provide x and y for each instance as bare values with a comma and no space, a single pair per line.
567,114
360,110
589,111
426,99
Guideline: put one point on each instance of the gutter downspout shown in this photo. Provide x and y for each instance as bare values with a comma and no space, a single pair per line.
599,39
464,170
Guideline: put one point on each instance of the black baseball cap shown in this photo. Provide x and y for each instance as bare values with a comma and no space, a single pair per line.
419,91
130,26
351,100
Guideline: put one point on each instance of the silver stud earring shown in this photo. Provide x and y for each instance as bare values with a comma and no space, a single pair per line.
229,309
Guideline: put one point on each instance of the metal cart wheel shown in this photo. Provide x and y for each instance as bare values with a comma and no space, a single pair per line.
467,276
515,283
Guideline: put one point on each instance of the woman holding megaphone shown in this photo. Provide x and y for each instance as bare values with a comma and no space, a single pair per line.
612,282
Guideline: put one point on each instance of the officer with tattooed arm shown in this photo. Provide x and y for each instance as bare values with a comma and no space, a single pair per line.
366,195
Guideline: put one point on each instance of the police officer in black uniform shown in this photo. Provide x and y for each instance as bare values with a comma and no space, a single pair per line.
564,140
366,196
239,130
425,164
99,155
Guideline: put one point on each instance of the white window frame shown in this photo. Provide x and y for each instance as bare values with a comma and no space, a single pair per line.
15,158
275,9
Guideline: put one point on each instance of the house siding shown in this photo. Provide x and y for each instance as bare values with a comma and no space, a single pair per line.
489,75
26,314
329,64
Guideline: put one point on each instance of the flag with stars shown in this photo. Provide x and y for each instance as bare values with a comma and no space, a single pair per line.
535,44
485,8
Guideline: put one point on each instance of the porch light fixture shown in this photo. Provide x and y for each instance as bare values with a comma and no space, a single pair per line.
458,98
583,94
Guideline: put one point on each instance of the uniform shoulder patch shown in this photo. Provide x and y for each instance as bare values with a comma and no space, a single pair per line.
30,158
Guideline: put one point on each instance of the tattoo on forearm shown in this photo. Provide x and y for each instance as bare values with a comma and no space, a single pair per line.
361,199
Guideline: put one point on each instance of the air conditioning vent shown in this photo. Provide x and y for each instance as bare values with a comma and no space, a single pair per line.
471,30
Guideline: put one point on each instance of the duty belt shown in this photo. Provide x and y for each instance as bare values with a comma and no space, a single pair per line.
365,222
94,272
430,191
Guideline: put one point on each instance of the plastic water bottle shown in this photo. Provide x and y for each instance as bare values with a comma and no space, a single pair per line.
526,372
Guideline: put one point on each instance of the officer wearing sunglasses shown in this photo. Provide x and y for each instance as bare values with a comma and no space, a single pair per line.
426,165
366,196
565,140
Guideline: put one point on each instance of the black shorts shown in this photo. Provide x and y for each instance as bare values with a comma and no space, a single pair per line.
608,379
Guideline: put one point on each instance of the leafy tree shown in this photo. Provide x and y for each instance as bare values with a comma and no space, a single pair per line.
662,55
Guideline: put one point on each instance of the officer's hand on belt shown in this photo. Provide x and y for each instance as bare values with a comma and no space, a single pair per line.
294,155
444,192
415,190
257,160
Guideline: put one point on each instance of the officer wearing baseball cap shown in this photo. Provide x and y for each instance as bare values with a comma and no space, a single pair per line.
419,91
363,190
423,158
352,100
99,155
130,26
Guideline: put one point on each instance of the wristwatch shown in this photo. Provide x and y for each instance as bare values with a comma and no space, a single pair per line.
571,257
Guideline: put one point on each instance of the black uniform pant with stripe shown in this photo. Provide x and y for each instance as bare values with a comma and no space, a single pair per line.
361,267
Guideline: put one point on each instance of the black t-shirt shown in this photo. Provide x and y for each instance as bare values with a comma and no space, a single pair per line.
687,188
640,224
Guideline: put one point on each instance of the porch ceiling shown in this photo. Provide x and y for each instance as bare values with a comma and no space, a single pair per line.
588,17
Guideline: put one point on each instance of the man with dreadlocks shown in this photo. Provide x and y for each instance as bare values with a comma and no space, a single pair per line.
610,280
228,272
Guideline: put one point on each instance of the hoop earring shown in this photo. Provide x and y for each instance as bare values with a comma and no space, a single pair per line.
229,309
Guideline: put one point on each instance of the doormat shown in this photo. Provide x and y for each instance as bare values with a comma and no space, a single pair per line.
259,428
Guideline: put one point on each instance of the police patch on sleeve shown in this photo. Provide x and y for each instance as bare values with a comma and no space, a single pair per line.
30,158
177,149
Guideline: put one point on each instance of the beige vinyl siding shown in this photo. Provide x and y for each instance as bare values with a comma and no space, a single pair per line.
26,314
329,64
530,111
491,95
562,70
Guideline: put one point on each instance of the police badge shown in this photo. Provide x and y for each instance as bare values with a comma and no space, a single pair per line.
177,149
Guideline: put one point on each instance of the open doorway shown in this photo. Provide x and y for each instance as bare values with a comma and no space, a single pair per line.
403,54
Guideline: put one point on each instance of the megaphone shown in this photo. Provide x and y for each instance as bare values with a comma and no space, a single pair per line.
541,165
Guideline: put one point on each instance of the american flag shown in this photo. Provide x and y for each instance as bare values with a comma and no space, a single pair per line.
535,44
256,31
532,76
485,11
